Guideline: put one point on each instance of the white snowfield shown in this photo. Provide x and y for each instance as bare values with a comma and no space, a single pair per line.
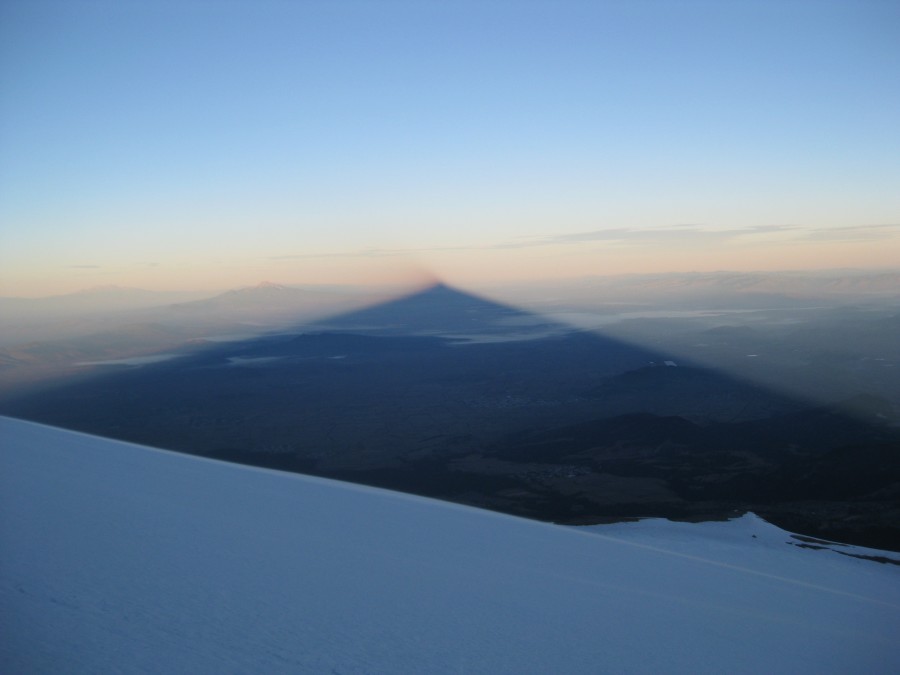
118,558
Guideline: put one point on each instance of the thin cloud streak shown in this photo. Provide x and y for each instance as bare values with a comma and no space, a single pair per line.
694,233
624,236
379,252
856,233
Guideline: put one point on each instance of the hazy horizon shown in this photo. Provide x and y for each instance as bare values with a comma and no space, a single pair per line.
188,145
412,279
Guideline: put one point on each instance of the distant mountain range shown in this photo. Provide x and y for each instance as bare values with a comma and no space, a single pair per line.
812,283
110,308
263,296
117,298
97,299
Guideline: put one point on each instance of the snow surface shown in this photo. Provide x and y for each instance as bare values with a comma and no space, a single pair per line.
120,558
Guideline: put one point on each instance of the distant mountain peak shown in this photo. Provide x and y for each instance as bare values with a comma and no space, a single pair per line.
265,295
268,285
263,288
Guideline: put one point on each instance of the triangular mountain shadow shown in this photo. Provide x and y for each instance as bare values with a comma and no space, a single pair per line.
434,392
519,356
437,309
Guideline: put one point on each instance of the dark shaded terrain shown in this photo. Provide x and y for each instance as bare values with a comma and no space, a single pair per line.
451,396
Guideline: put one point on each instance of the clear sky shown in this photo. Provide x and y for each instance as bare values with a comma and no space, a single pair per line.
215,144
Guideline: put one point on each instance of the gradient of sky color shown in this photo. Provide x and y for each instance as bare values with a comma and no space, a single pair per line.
213,144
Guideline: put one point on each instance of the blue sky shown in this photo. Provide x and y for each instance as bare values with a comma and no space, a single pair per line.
213,144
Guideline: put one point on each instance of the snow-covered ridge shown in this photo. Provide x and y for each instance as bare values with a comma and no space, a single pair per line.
120,558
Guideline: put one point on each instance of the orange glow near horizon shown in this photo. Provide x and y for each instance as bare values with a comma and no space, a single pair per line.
465,267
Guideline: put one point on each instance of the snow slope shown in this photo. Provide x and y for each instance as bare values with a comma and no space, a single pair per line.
120,558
